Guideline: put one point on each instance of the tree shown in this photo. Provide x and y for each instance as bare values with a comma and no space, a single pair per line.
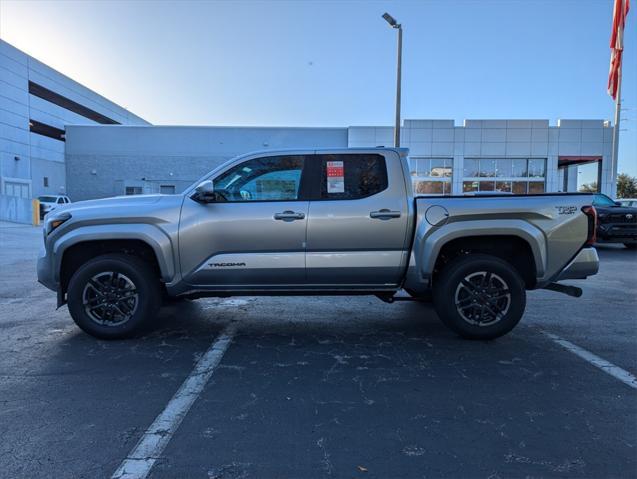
626,186
588,187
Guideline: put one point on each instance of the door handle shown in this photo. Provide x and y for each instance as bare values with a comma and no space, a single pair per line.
384,214
289,216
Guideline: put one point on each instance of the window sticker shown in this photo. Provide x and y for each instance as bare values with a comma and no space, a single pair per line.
335,177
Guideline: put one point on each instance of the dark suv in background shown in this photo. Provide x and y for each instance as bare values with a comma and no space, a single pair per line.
617,223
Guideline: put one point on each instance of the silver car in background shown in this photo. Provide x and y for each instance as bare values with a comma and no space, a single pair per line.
49,202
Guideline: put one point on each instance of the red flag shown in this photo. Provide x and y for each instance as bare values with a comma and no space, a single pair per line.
617,44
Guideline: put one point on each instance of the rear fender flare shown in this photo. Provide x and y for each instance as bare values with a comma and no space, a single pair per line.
427,246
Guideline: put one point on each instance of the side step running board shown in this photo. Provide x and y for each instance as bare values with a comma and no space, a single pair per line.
386,298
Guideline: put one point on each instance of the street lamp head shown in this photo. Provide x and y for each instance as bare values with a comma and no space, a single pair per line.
391,20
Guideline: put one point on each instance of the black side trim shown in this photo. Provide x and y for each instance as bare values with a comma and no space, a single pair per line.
305,183
59,100
46,130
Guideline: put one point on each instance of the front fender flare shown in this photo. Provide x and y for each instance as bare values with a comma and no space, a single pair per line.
157,239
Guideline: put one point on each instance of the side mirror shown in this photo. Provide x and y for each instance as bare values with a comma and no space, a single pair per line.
618,203
204,192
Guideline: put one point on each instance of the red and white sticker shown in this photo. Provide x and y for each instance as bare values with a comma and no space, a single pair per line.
335,177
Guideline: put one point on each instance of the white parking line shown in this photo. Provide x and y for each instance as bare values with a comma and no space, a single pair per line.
609,368
143,456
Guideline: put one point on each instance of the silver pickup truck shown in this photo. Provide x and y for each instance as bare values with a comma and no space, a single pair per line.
316,222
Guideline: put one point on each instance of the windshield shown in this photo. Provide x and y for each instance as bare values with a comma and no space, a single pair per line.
603,200
48,199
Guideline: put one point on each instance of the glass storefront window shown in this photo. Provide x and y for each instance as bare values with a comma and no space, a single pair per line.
519,188
503,186
440,167
487,168
429,187
536,187
504,168
470,169
515,175
518,168
431,176
423,168
487,186
537,168
469,186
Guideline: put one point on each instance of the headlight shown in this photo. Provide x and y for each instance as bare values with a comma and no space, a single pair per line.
55,221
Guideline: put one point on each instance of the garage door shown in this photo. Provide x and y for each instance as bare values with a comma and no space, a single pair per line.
12,188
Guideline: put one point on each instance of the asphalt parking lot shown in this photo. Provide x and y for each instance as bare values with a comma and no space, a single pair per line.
321,387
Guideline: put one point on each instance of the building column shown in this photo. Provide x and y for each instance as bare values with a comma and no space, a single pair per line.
458,174
608,177
553,178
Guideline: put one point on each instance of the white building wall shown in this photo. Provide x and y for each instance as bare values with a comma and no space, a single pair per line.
499,139
102,161
26,158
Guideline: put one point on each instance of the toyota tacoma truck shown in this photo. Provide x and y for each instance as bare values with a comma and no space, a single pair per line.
617,223
315,222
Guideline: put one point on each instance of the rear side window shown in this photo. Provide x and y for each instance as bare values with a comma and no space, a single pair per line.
352,176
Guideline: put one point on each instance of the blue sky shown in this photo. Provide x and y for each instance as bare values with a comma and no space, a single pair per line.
332,63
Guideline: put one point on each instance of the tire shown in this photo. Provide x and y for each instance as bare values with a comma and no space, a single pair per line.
498,306
630,245
93,296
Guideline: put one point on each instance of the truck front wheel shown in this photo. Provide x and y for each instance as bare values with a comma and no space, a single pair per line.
113,296
479,296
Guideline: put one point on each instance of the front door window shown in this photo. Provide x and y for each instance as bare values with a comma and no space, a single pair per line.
274,178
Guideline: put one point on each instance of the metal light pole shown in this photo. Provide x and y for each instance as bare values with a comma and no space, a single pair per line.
615,151
394,24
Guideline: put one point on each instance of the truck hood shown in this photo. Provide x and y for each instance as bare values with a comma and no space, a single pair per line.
118,201
138,208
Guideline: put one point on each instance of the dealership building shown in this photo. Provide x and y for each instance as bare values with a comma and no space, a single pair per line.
57,136
36,104
518,156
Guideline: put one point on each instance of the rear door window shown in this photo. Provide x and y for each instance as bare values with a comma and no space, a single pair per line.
351,176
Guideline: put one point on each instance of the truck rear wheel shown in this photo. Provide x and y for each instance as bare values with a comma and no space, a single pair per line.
479,296
113,296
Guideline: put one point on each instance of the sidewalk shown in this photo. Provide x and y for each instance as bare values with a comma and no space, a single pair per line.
9,224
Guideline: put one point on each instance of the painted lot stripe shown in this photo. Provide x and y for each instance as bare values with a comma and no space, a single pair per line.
151,445
609,368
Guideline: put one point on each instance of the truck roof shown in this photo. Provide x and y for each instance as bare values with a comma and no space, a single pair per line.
402,152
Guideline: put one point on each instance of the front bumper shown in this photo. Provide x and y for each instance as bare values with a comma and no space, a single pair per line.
45,271
585,263
617,233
